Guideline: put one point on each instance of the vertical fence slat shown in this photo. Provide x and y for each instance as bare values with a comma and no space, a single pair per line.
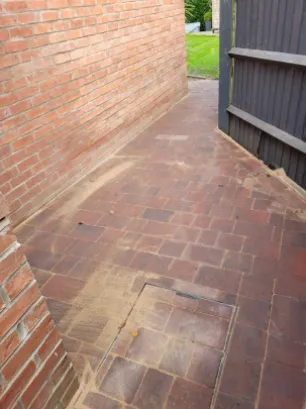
288,26
296,27
302,36
226,18
301,112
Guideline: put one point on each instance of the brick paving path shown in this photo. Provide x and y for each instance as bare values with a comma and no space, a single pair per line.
182,208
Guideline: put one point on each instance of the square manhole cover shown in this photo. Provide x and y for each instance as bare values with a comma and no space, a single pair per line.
169,354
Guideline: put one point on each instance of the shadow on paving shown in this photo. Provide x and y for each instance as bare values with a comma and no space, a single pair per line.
181,208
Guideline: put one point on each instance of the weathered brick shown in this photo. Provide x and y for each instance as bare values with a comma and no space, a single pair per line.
34,315
42,375
20,280
18,308
8,345
10,264
17,386
27,349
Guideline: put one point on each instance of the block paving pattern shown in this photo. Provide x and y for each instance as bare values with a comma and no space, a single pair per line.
197,215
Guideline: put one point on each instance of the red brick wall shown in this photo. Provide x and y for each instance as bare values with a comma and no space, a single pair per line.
34,367
78,77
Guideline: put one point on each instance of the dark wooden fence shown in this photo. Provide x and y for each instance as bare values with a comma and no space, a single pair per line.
262,99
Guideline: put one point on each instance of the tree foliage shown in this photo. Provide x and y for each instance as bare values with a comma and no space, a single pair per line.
189,9
200,7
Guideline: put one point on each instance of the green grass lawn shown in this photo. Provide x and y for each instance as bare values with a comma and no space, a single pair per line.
203,55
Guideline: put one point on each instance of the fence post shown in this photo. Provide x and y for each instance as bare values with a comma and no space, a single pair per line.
226,27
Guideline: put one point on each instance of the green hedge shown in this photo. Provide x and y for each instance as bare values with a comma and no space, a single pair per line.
208,16
200,7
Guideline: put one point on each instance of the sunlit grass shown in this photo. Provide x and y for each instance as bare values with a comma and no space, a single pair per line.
203,55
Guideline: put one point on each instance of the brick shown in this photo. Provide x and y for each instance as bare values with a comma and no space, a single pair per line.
265,268
222,211
87,232
16,284
250,229
208,237
6,242
43,396
172,248
28,18
254,216
151,262
113,221
149,244
49,344
230,241
223,225
16,6
19,307
220,279
8,20
15,46
8,346
237,262
183,219
202,222
125,257
62,393
42,375
4,35
2,304
207,255
183,270
34,315
27,348
187,234
260,289
261,248
253,312
17,386
49,15
164,230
